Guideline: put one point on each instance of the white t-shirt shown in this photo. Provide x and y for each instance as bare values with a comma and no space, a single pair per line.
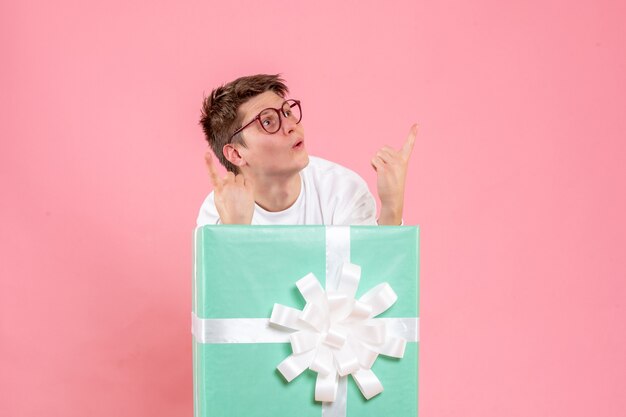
330,194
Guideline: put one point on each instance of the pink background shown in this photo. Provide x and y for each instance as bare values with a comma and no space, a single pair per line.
517,181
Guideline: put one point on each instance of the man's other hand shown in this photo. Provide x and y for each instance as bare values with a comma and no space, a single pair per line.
234,195
391,166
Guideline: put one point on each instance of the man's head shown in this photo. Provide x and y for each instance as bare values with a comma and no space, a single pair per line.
234,105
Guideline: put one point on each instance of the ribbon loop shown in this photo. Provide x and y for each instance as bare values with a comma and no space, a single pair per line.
294,365
323,362
303,341
346,359
311,289
315,316
335,338
360,311
368,383
339,306
326,387
366,356
380,298
285,316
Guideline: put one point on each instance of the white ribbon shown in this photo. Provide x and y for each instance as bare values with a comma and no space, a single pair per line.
337,335
334,335
260,330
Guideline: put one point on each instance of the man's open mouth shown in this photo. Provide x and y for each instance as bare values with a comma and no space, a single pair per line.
298,144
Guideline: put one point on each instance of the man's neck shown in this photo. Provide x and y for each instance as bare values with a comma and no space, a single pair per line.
274,194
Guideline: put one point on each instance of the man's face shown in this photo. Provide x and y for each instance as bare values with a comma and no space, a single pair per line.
280,154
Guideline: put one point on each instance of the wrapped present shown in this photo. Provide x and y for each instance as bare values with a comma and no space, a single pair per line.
305,321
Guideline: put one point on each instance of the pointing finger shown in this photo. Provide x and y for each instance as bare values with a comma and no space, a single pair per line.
213,176
407,148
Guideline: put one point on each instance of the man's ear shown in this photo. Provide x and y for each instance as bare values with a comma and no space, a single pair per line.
232,155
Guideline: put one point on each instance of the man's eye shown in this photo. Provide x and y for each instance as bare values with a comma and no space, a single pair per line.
266,122
287,113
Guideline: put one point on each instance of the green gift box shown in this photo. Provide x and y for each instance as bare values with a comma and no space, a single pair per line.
241,272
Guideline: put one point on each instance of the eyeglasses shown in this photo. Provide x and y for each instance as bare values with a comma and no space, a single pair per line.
271,119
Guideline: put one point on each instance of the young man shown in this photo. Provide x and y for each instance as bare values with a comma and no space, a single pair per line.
257,135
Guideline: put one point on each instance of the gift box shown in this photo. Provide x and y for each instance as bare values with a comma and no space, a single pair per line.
246,278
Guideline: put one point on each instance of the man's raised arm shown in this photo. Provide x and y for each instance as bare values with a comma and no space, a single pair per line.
234,195
391,166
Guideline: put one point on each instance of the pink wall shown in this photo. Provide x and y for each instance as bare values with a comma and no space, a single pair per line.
517,181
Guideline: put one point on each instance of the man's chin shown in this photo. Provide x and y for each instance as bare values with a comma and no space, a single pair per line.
305,164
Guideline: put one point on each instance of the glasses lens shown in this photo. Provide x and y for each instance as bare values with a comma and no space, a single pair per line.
292,111
269,120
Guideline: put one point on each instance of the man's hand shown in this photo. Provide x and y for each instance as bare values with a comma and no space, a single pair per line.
234,195
390,167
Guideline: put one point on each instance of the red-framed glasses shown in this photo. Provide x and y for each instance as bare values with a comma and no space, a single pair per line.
271,119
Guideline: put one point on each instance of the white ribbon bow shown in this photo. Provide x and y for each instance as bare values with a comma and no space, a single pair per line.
336,335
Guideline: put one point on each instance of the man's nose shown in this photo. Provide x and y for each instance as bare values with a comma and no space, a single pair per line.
289,125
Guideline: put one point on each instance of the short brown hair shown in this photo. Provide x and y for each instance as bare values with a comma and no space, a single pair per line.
219,117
